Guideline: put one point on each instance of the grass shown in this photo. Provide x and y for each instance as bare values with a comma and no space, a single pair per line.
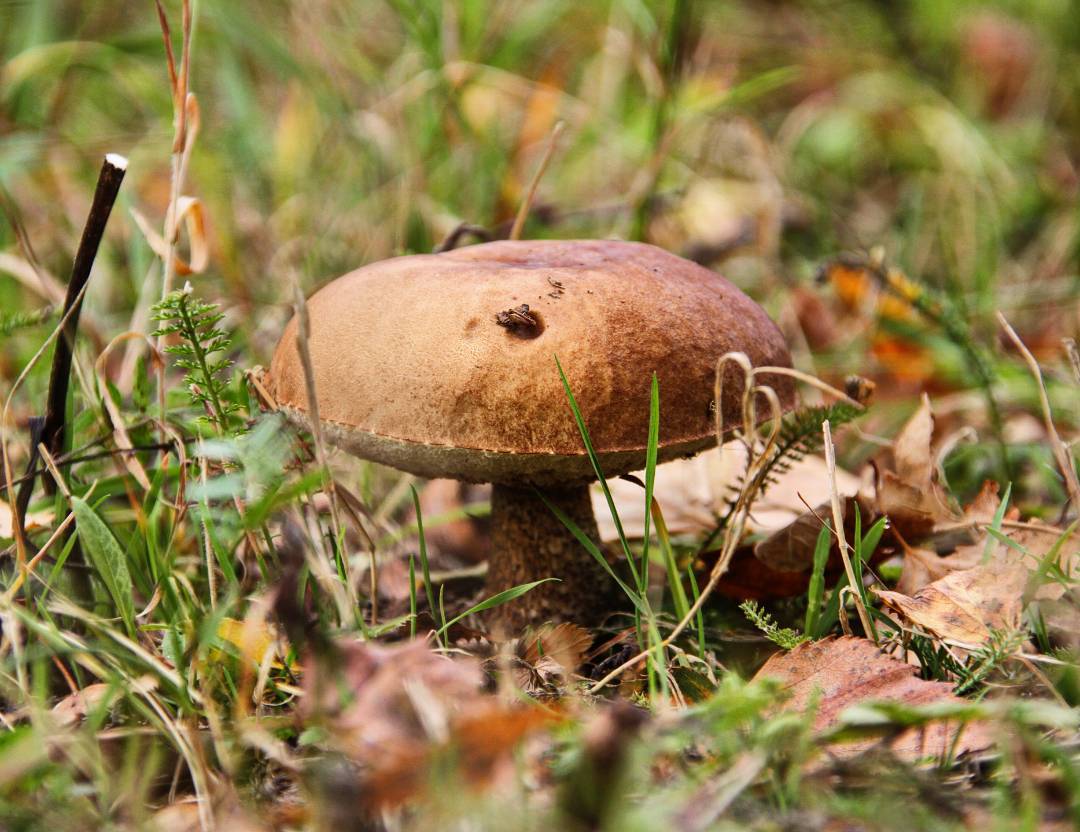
188,634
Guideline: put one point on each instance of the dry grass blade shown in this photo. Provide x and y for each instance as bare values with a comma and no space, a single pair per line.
530,195
838,530
303,334
1061,453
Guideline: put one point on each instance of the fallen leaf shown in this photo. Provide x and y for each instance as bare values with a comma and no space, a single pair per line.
545,659
565,644
376,696
909,491
394,711
965,605
847,671
791,549
252,638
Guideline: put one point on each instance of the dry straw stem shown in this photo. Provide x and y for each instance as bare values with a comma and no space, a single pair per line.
183,140
530,195
120,434
838,530
303,334
1061,453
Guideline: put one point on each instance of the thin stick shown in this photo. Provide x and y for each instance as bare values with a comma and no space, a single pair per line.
526,204
53,428
1061,454
9,481
838,530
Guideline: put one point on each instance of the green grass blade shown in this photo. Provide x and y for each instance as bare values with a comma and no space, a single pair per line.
678,594
412,595
995,525
107,558
650,478
496,600
425,569
699,623
595,461
816,590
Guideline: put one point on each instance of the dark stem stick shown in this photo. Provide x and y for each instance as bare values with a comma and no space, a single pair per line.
52,428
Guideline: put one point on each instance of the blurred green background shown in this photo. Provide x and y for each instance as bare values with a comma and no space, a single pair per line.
758,137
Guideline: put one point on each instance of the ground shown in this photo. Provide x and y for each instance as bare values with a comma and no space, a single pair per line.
867,620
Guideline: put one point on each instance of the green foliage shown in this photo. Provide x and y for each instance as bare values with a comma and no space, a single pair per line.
107,558
195,323
801,435
782,636
983,661
13,321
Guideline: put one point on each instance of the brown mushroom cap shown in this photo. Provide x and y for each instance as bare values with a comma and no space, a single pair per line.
414,369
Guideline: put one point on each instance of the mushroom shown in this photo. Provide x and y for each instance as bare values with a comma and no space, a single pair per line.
443,365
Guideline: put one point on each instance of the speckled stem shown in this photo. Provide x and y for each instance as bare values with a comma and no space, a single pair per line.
530,543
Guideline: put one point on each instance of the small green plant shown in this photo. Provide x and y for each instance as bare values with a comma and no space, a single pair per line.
999,648
198,352
784,637
13,321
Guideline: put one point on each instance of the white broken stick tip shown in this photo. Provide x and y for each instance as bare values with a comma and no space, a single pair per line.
117,161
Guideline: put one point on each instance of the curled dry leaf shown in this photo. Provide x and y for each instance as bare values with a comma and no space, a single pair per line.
981,586
565,644
965,605
547,657
847,671
190,212
910,492
33,522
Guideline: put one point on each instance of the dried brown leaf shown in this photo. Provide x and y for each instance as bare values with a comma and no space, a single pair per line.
965,605
847,671
373,696
909,492
692,491
34,520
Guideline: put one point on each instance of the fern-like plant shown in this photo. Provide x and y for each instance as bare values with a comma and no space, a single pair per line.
800,435
13,321
782,636
999,648
199,352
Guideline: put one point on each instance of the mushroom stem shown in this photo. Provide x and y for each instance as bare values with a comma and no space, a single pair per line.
530,543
